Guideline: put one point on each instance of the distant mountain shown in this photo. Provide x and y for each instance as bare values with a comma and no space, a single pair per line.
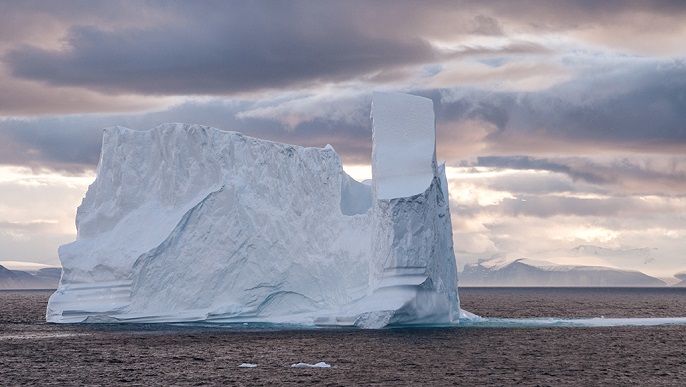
528,272
588,255
682,277
46,278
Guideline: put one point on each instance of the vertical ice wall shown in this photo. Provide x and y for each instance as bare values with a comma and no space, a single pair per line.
413,272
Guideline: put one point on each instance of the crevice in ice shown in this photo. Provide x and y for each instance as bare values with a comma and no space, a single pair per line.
356,197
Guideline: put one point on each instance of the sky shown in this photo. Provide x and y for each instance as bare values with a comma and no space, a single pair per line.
562,123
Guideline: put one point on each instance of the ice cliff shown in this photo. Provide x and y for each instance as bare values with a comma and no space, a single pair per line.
191,223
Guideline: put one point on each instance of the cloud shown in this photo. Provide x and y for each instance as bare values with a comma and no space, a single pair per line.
486,25
633,107
346,107
636,108
36,226
635,174
223,48
71,144
554,165
48,145
500,209
262,46
20,98
550,206
630,104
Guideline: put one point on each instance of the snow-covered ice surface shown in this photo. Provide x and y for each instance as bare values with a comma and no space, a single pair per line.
187,223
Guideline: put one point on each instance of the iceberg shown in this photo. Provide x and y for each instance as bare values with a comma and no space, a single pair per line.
188,223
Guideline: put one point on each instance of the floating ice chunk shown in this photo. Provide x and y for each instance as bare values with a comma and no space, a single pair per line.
404,144
247,365
321,364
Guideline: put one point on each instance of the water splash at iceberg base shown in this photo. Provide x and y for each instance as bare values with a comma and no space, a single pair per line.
462,323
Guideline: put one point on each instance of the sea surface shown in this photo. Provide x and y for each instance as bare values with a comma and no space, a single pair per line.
35,353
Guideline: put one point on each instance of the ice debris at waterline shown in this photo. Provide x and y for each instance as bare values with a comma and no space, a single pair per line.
479,322
190,223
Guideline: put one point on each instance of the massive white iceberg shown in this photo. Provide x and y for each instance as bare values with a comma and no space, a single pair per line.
191,223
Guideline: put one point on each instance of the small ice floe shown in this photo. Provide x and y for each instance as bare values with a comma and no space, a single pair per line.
248,365
321,364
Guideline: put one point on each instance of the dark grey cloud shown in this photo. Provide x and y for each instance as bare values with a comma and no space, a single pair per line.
72,144
561,15
630,105
655,175
49,144
590,173
222,48
29,19
579,116
249,57
646,104
352,140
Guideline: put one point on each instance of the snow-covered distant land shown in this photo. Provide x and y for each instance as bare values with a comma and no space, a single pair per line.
681,276
527,272
581,266
25,266
26,275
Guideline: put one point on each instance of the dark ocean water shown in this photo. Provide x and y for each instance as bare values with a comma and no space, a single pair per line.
35,353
